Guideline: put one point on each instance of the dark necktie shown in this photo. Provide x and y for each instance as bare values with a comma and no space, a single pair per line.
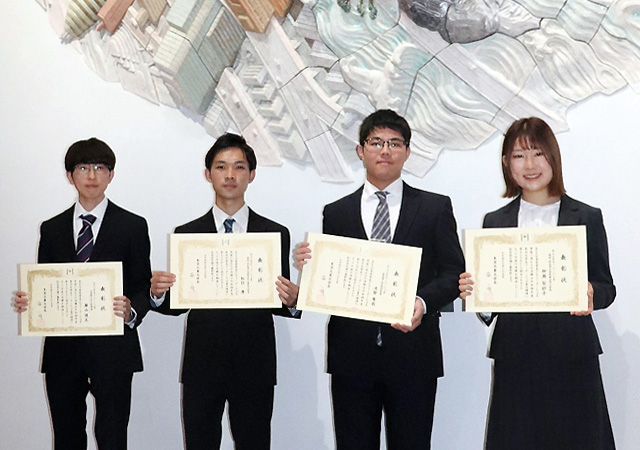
228,225
85,239
381,230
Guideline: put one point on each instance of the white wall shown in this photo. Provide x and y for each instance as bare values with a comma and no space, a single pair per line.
50,99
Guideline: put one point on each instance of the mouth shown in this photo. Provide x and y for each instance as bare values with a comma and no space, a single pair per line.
532,177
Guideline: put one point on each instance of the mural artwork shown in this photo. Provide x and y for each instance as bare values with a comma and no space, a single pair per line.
297,77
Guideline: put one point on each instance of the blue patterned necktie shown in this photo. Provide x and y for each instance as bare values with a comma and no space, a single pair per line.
381,230
85,239
228,225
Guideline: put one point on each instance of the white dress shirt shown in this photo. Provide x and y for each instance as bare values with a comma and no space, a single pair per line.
369,202
98,212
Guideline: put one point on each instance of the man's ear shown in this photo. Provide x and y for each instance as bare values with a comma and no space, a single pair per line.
207,175
360,151
252,175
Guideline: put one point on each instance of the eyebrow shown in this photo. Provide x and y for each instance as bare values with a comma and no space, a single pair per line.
222,161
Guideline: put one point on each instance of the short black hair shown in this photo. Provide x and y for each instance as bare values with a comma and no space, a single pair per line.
89,151
385,118
229,140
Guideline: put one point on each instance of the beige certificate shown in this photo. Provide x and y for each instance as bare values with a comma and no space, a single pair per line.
225,270
71,299
527,269
360,279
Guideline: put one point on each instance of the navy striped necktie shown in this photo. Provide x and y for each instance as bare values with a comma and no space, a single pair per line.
85,239
228,225
381,230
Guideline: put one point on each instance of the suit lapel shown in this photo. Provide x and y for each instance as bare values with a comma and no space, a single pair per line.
510,214
254,225
68,238
105,233
408,210
207,223
353,215
569,213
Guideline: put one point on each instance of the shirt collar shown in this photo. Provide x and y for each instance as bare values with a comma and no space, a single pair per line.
98,211
241,218
393,190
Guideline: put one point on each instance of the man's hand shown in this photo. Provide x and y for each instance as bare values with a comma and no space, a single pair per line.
161,282
465,284
590,307
122,307
416,320
287,291
19,301
301,254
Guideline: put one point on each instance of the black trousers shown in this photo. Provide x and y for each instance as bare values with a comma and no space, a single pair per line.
408,405
67,395
250,411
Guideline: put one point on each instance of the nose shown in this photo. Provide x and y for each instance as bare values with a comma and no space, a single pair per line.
385,147
92,172
230,175
529,161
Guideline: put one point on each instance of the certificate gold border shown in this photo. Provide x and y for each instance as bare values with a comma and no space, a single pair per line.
267,244
405,258
571,237
112,271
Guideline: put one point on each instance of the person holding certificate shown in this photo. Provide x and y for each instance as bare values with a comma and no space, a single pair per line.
547,390
94,229
377,367
229,354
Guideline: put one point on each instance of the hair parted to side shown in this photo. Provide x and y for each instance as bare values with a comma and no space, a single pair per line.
89,151
229,140
532,133
385,118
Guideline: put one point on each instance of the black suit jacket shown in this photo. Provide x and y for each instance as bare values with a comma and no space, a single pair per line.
124,237
426,221
231,345
564,336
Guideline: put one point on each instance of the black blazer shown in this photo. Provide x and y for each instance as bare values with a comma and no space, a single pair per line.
563,335
426,221
123,237
231,345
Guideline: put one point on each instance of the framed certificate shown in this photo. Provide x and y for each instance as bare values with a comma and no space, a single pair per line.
225,270
527,269
360,279
71,299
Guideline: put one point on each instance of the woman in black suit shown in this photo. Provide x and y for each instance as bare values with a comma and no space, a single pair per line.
547,390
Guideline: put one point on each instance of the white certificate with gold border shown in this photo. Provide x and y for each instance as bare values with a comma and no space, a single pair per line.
527,269
225,270
71,299
360,279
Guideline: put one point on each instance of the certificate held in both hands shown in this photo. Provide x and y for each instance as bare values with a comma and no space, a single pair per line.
71,299
527,269
225,270
360,279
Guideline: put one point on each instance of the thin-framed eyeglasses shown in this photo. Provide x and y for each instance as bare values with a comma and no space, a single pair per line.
378,144
98,169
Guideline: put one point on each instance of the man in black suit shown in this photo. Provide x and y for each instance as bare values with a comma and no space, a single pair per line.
377,367
229,354
102,365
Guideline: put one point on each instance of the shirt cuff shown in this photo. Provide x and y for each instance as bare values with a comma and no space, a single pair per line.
156,301
132,323
424,305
